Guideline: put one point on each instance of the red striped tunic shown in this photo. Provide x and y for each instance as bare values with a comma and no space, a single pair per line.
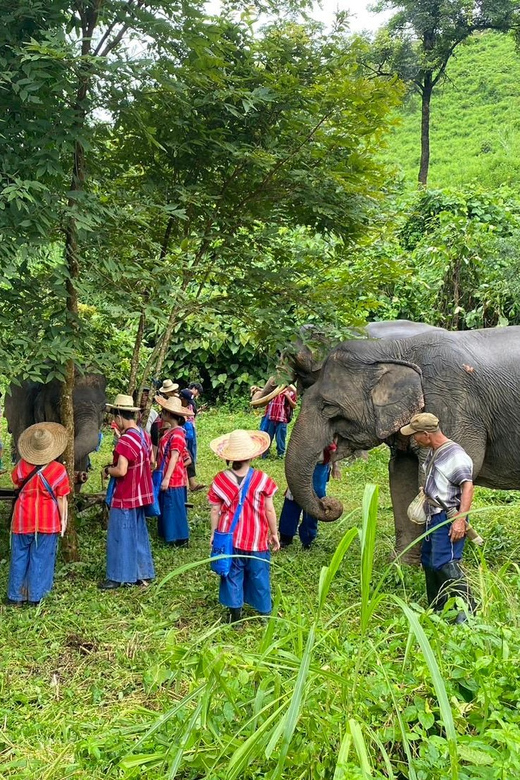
175,441
35,510
135,488
278,409
252,530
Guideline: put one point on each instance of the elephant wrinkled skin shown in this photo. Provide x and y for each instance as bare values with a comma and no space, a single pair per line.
32,402
368,389
302,365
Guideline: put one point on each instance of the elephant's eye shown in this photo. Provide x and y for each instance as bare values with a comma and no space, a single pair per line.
329,409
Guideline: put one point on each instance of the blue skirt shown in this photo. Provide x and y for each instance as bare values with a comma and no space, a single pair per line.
129,556
172,524
248,581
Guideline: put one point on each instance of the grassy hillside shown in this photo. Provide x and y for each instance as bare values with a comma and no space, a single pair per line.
475,129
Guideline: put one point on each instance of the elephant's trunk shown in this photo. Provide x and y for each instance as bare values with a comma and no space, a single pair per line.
309,438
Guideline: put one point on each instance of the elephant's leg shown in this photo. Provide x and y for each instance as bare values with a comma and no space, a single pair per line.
404,480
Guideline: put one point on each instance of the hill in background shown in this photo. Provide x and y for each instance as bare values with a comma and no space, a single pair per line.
475,119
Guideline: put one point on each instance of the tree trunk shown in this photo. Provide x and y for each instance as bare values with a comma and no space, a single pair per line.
426,95
70,543
134,366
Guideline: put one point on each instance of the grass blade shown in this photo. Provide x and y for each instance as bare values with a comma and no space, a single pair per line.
368,540
293,713
360,747
438,684
328,572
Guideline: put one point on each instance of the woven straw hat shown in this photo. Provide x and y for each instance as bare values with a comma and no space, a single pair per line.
168,387
174,405
125,402
42,443
241,445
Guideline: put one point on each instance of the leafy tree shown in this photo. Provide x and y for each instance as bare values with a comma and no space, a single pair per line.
240,138
420,38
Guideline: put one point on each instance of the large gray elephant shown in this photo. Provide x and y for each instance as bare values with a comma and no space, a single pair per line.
368,389
302,364
32,402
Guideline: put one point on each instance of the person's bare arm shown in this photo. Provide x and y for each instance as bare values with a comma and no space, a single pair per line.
63,509
174,457
292,399
271,519
214,518
458,527
120,469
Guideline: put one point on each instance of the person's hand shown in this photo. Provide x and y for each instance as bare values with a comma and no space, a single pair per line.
63,526
274,541
211,538
164,484
458,529
105,470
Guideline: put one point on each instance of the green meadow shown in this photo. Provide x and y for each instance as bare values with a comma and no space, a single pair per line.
350,678
475,121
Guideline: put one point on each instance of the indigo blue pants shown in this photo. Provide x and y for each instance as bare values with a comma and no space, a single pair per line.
248,581
31,572
129,556
278,432
437,548
291,511
172,524
264,422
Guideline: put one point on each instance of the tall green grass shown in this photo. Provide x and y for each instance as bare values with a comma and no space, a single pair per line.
301,662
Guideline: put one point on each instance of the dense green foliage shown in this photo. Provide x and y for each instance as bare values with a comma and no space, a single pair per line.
126,684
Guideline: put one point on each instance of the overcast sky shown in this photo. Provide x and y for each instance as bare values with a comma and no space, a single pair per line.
360,16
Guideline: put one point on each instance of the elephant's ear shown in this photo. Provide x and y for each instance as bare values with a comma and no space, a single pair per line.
396,396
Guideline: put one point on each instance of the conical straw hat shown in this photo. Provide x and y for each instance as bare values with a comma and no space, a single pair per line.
42,443
241,445
174,405
168,386
124,402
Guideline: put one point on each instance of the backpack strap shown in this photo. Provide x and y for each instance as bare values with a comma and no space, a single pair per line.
242,497
49,489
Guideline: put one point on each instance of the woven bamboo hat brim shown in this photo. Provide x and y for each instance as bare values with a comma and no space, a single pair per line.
124,402
168,387
269,397
174,405
241,445
42,443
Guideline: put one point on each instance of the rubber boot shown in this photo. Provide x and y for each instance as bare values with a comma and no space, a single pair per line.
235,614
454,583
432,589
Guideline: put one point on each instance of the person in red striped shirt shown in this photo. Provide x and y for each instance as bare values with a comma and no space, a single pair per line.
279,414
173,457
40,512
129,556
249,579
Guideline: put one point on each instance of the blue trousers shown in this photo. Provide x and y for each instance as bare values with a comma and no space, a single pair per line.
172,523
248,581
264,422
129,556
291,511
31,572
278,432
437,548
